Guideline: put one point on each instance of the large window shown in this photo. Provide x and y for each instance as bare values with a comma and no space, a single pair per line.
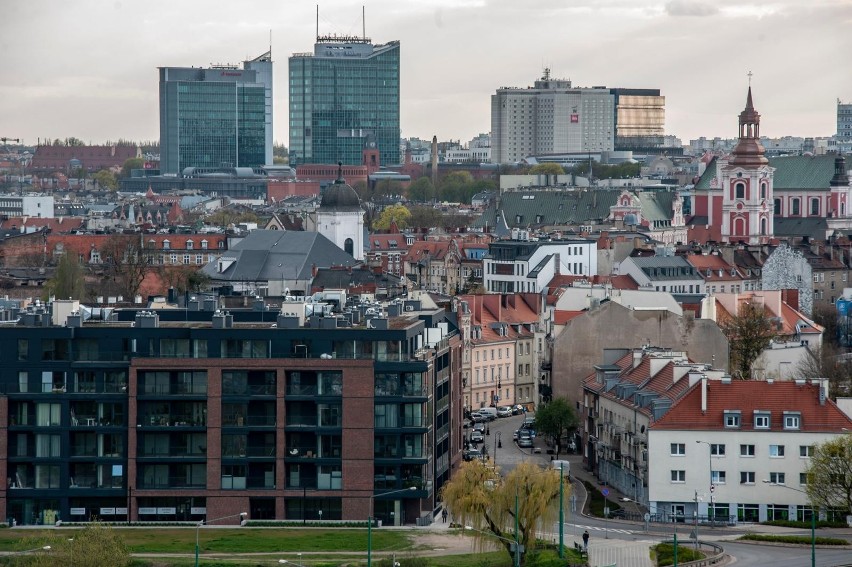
678,476
678,449
48,415
47,476
236,348
748,512
746,450
47,445
717,450
776,451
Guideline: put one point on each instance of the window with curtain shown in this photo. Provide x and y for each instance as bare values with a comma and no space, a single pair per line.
47,445
48,415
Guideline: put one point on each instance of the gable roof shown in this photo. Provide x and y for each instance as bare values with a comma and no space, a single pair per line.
748,396
791,173
549,208
266,255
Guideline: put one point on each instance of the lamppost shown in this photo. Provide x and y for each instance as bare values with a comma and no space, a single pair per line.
813,519
370,521
241,515
498,444
710,511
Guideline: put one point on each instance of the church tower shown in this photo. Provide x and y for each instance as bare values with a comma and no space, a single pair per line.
340,217
747,201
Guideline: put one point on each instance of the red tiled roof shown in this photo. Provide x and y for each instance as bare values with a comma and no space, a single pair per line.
561,317
748,396
58,224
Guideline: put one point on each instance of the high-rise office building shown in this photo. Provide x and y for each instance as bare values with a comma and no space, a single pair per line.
553,117
343,94
844,126
219,116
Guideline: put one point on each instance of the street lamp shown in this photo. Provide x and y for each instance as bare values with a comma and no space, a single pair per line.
370,521
498,444
710,510
241,515
813,519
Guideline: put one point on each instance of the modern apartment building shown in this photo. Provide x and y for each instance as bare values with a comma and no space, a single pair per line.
179,415
844,126
217,116
554,117
343,97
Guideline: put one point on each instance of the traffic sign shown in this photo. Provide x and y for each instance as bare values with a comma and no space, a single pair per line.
605,491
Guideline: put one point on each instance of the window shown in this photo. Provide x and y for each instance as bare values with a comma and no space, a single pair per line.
761,420
23,349
678,476
678,449
166,245
717,477
47,476
47,446
794,207
777,207
717,450
806,451
746,477
739,189
746,450
732,419
189,244
792,420
814,207
776,451
776,477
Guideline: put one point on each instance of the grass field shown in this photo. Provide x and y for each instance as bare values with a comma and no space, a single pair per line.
236,540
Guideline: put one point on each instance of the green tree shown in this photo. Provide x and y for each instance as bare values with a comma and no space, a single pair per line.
829,474
387,188
479,497
67,282
130,164
106,179
547,169
398,213
96,545
556,419
748,332
421,190
454,186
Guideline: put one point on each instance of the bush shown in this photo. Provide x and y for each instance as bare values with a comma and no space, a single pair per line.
664,552
403,562
597,501
805,525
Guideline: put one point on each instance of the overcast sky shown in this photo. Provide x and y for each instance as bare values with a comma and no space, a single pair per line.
87,68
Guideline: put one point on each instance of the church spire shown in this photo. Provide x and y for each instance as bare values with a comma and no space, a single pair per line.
749,151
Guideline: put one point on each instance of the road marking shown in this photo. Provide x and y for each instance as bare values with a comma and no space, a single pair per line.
600,529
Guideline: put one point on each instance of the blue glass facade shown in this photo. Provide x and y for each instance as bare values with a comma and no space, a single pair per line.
344,92
215,117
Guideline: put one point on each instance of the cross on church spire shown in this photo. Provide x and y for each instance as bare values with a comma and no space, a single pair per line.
749,79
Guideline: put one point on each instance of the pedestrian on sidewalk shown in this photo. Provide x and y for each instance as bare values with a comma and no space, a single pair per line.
586,541
444,515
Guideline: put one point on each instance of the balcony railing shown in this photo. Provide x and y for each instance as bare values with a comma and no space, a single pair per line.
172,482
249,421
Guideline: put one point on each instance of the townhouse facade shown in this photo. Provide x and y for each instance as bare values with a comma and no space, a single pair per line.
727,449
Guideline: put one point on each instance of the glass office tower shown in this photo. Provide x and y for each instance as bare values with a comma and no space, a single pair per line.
221,116
344,92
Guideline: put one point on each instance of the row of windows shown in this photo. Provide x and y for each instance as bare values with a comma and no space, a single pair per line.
746,450
499,353
762,419
746,477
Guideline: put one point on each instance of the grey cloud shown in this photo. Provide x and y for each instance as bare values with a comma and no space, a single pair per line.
690,8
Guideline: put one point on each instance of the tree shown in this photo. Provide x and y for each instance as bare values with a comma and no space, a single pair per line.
748,332
421,190
184,278
398,213
454,187
556,419
424,217
106,179
825,362
96,545
829,474
477,496
130,164
67,282
547,169
125,263
386,188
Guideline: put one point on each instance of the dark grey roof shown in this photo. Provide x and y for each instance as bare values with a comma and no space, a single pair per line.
266,255
550,208
791,173
814,227
342,279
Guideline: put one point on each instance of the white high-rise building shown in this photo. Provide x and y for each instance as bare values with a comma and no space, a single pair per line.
553,117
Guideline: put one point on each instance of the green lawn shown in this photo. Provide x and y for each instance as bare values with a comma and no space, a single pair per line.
237,540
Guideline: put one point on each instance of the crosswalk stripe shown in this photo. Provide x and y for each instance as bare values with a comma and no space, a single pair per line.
600,529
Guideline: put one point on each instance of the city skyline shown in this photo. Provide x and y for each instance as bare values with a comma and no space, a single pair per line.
100,82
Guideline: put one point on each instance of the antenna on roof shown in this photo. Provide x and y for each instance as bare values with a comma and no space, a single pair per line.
363,22
317,22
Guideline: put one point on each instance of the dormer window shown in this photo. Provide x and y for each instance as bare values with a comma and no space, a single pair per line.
166,245
204,245
761,419
732,419
792,420
190,244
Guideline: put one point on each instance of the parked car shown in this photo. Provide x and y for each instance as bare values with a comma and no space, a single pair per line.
476,437
489,412
518,409
525,442
515,435
504,411
479,427
478,417
472,454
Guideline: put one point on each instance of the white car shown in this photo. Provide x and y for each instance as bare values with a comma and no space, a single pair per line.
504,411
